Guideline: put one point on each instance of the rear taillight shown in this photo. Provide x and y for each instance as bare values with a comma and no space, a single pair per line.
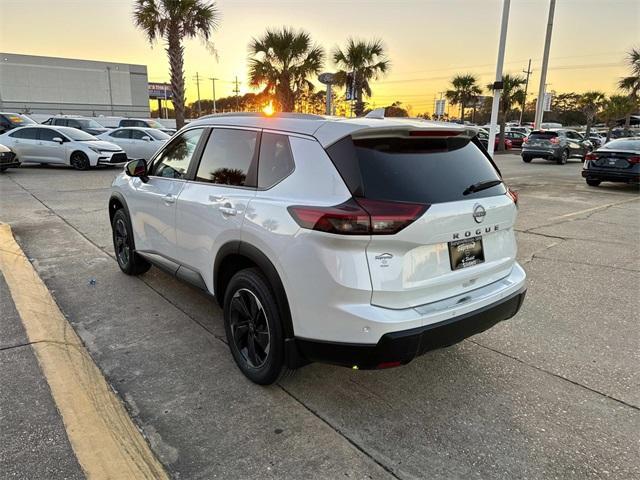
525,140
513,195
554,140
591,156
358,217
634,159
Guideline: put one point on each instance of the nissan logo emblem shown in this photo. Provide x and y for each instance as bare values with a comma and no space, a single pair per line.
479,213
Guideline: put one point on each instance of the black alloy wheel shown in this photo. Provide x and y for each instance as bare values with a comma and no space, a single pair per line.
80,161
128,260
249,328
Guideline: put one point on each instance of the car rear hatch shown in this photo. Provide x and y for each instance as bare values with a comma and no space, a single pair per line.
616,159
460,240
542,139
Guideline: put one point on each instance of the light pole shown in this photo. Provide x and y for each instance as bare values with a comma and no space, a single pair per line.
497,86
545,64
110,90
526,88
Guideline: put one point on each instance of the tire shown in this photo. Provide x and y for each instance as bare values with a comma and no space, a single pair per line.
128,260
253,327
564,157
3,169
80,161
527,159
593,183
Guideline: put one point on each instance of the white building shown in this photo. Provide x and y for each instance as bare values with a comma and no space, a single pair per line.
34,84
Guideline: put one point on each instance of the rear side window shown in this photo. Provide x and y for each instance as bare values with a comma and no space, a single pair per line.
120,134
25,133
542,135
276,160
229,158
417,170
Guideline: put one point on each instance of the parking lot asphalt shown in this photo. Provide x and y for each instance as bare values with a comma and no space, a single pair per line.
551,393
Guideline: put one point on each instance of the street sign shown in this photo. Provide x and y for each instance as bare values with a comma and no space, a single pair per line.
160,90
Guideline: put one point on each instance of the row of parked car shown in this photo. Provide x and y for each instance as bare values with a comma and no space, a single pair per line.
79,142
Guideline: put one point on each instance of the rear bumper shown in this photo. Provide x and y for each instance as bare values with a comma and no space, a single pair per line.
541,152
400,348
612,175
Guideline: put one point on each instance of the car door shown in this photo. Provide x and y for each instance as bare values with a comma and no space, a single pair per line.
152,204
48,149
24,143
141,144
122,138
573,142
213,203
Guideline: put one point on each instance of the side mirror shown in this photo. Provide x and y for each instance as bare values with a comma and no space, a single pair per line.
137,168
146,138
58,139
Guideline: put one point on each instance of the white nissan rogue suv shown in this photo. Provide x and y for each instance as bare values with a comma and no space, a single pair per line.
359,242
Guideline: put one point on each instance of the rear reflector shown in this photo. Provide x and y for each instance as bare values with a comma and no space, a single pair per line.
388,365
358,217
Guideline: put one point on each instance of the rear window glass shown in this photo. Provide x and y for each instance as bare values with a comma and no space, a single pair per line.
542,135
623,145
419,170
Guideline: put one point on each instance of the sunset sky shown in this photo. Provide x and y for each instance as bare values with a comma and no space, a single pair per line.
427,41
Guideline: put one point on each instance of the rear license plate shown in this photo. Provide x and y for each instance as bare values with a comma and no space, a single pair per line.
466,253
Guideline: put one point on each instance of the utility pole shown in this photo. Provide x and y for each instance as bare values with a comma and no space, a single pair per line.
110,89
236,90
198,86
526,87
545,65
497,86
213,83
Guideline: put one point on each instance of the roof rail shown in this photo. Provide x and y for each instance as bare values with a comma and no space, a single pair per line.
301,116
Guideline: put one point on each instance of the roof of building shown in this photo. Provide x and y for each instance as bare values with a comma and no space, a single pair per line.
326,129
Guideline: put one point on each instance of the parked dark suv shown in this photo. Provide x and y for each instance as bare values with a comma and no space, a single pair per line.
9,121
558,144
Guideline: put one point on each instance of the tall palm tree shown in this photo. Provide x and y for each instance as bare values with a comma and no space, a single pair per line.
615,107
631,84
590,103
465,91
282,61
366,60
512,92
173,21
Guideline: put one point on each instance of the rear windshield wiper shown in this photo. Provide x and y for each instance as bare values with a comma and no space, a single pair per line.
477,187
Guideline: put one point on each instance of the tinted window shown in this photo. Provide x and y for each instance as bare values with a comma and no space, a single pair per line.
120,134
25,133
228,157
173,161
18,120
420,170
59,121
276,160
542,135
78,135
623,144
47,134
138,134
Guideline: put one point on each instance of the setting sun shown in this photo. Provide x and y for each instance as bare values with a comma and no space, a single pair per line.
268,109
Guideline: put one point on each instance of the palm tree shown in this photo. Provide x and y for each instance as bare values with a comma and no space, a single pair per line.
590,103
282,61
465,91
512,92
631,84
615,107
367,61
173,21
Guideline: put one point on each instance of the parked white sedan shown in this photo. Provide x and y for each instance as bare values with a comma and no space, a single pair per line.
138,142
62,145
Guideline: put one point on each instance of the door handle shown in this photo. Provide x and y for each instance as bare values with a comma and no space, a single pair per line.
227,209
169,199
